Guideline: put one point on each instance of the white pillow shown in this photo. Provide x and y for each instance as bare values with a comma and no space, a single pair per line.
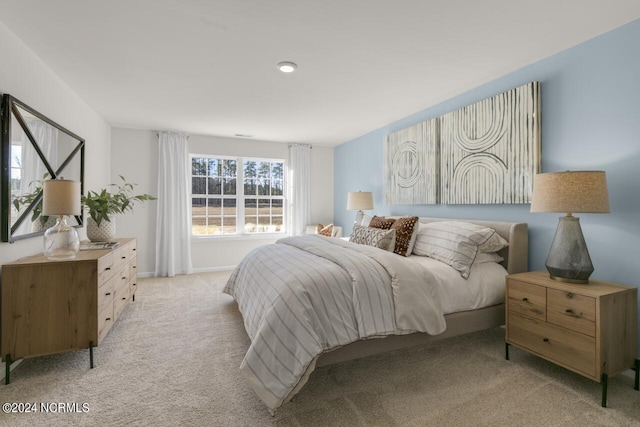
455,243
485,257
376,237
366,219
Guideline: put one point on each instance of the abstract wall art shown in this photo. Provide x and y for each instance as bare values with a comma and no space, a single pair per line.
412,164
490,150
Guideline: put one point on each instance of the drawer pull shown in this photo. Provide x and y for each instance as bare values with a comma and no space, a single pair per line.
545,339
525,299
107,319
134,266
134,249
124,257
124,298
107,269
568,310
134,284
124,278
107,294
569,295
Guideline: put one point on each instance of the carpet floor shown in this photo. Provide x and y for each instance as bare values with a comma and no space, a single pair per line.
173,356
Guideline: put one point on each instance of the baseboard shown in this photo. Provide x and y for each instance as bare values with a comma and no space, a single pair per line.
195,270
211,269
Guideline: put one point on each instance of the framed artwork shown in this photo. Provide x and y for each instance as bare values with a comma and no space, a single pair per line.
411,165
490,150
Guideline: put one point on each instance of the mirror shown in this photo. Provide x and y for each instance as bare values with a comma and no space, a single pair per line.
34,148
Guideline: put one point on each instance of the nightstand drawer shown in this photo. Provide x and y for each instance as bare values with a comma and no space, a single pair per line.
572,349
528,299
573,311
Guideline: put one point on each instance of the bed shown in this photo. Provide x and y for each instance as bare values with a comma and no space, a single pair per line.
311,301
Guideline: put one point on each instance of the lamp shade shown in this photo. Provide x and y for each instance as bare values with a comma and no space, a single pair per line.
570,192
359,201
61,197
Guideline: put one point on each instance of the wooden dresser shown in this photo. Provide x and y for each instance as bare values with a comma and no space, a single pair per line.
56,306
590,329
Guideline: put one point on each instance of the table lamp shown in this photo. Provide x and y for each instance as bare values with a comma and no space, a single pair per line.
570,192
61,197
359,201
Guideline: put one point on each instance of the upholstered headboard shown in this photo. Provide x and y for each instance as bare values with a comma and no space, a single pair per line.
516,233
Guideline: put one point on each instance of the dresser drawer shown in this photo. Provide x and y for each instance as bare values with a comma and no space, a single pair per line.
573,311
527,299
120,301
133,274
105,268
571,349
121,279
105,294
105,321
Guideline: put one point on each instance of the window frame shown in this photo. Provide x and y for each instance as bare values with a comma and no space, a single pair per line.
240,197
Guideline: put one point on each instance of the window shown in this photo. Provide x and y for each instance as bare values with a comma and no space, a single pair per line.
236,195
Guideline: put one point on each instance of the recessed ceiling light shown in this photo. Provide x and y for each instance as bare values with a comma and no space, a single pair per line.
287,67
243,135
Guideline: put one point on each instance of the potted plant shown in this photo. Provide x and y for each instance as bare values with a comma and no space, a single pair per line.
102,207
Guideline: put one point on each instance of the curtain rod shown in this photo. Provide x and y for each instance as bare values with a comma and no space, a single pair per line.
293,145
177,133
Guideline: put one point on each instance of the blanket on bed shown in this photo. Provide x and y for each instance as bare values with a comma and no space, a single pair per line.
306,295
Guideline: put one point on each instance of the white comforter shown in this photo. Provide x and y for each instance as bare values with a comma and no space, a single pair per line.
310,294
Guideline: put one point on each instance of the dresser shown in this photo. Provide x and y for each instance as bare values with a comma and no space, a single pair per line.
590,329
57,306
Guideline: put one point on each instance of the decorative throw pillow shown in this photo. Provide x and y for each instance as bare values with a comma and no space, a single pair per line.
376,237
366,219
452,242
406,229
324,230
381,222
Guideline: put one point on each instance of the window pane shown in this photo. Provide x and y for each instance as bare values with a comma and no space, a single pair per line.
250,187
276,207
277,188
277,170
198,185
215,167
215,186
277,220
198,166
263,188
215,225
230,186
249,169
264,169
214,207
229,168
198,226
229,225
229,207
198,207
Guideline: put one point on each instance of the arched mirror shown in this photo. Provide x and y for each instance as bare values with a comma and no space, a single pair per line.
34,148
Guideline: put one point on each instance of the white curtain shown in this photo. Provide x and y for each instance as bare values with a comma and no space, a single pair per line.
173,227
300,188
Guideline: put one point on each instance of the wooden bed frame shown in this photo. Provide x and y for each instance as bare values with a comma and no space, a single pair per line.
515,261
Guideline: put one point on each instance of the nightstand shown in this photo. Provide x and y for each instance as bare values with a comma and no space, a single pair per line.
589,329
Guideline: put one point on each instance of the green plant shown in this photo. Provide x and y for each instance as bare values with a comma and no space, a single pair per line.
28,198
103,204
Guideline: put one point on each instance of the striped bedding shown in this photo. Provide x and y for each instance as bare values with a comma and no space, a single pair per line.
307,295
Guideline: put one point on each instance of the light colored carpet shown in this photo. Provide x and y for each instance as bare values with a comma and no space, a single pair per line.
173,357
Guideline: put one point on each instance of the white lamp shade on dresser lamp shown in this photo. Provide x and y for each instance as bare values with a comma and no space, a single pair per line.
359,201
60,198
570,192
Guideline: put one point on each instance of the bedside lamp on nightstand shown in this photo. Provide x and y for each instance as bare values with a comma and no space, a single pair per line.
359,201
571,191
60,198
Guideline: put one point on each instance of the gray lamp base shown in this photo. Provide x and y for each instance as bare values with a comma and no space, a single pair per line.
568,259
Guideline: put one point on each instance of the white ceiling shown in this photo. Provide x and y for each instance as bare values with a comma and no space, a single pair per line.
209,66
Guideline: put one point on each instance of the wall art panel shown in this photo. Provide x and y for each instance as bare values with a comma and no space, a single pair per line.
411,165
490,150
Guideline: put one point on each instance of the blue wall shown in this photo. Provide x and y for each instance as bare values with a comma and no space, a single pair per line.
590,120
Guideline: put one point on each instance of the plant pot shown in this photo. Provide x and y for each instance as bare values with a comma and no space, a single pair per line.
105,232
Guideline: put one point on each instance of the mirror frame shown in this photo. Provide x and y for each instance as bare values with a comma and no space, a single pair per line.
10,108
